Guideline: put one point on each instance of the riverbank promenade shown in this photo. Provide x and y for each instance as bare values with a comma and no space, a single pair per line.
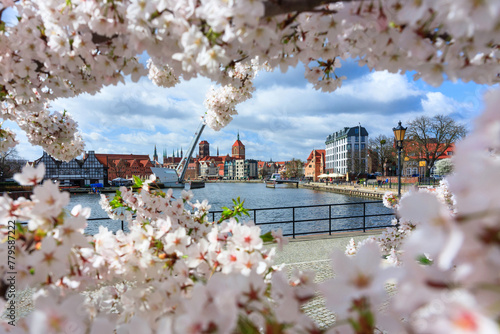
355,189
313,253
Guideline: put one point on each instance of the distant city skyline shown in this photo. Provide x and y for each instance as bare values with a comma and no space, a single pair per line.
285,119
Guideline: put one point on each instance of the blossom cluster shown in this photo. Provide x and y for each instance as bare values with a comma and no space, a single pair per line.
390,200
162,76
391,239
173,271
55,132
61,48
221,102
7,139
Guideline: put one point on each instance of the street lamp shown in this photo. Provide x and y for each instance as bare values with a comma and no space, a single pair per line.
399,134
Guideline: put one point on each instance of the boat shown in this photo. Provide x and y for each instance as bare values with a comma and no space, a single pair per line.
167,178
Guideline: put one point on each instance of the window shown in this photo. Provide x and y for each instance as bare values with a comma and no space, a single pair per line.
362,146
356,146
356,130
449,153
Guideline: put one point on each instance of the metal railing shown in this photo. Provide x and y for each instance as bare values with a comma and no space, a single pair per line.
295,221
107,218
330,218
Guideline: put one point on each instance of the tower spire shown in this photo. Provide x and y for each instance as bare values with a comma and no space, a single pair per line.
238,134
155,155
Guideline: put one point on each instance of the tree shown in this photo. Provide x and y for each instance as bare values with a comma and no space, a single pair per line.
118,168
10,163
263,172
444,167
382,151
294,168
428,137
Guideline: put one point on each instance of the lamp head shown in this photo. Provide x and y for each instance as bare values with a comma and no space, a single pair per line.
399,132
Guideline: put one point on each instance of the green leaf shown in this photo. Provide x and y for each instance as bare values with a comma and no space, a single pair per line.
268,237
245,326
422,259
137,181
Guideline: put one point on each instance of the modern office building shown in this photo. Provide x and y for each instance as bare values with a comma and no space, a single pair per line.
346,151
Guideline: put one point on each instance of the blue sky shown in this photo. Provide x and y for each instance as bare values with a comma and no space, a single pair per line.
285,119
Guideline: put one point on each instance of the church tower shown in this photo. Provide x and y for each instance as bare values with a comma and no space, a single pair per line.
238,150
155,155
204,149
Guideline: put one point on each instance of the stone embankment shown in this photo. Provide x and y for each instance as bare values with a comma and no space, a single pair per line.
351,190
234,181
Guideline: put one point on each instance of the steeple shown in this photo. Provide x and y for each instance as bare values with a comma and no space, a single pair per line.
155,155
238,134
217,150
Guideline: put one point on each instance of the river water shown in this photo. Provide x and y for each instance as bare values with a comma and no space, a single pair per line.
257,196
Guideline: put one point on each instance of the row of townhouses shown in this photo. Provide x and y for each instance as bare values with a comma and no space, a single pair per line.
103,168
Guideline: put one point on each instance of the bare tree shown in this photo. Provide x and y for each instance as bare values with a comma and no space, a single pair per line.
118,169
10,163
382,151
429,137
263,172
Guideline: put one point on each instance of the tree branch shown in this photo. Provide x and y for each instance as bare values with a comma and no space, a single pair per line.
277,7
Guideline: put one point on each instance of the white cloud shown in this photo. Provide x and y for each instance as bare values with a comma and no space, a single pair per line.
436,103
281,121
379,86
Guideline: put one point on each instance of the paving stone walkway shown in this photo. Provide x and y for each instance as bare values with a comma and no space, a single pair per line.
313,253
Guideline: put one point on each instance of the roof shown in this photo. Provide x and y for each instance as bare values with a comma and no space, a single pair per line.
317,153
203,142
238,143
142,159
347,131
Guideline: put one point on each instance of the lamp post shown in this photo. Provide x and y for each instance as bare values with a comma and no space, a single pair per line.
399,134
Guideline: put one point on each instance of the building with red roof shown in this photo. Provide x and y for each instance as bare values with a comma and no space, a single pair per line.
125,165
238,149
315,165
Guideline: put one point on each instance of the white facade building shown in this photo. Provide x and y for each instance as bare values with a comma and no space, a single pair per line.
346,151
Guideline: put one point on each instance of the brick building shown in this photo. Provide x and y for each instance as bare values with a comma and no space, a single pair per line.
315,165
126,165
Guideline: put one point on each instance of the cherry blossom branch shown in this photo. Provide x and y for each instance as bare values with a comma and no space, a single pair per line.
278,7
